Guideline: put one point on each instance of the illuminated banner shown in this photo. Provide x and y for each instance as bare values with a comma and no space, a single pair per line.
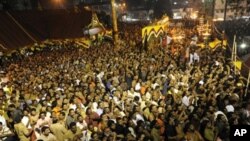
155,29
214,44
238,64
149,31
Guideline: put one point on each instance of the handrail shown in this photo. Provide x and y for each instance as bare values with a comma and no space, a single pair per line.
21,27
2,46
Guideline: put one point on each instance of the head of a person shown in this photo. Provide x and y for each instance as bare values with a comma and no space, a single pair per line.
42,115
11,107
33,111
106,110
221,118
209,124
171,121
71,112
107,131
112,125
73,127
95,137
25,112
153,108
65,106
45,130
154,124
191,128
130,137
80,118
120,121
161,102
62,116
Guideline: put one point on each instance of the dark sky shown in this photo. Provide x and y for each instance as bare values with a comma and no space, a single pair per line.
33,4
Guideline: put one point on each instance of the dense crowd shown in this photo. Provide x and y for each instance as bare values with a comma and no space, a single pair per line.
176,92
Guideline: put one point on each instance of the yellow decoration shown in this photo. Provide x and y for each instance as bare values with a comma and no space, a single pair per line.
155,29
217,43
148,31
238,64
84,43
214,44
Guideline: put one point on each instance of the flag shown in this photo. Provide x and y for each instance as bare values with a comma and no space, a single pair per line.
169,39
238,64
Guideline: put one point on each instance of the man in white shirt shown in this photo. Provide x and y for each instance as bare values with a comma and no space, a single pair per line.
185,100
132,94
25,119
4,132
2,119
196,57
81,123
191,58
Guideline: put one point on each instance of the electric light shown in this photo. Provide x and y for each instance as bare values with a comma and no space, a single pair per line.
243,45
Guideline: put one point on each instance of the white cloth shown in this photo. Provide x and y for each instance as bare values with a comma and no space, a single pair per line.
132,131
99,77
201,82
72,106
48,114
78,81
86,135
99,111
137,86
196,57
191,56
217,113
94,106
154,85
153,103
4,131
185,101
139,117
2,119
230,108
193,43
116,100
81,125
143,104
246,112
25,121
60,89
148,96
133,94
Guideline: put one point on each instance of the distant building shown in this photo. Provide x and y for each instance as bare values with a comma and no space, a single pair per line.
235,9
186,8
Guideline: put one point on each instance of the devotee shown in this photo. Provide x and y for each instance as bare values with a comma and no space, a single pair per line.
64,91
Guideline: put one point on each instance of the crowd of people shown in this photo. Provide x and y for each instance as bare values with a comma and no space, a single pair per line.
126,93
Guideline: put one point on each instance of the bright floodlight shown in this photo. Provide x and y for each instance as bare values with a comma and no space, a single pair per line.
243,45
194,15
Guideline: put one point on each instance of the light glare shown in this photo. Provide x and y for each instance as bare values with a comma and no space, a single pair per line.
243,45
